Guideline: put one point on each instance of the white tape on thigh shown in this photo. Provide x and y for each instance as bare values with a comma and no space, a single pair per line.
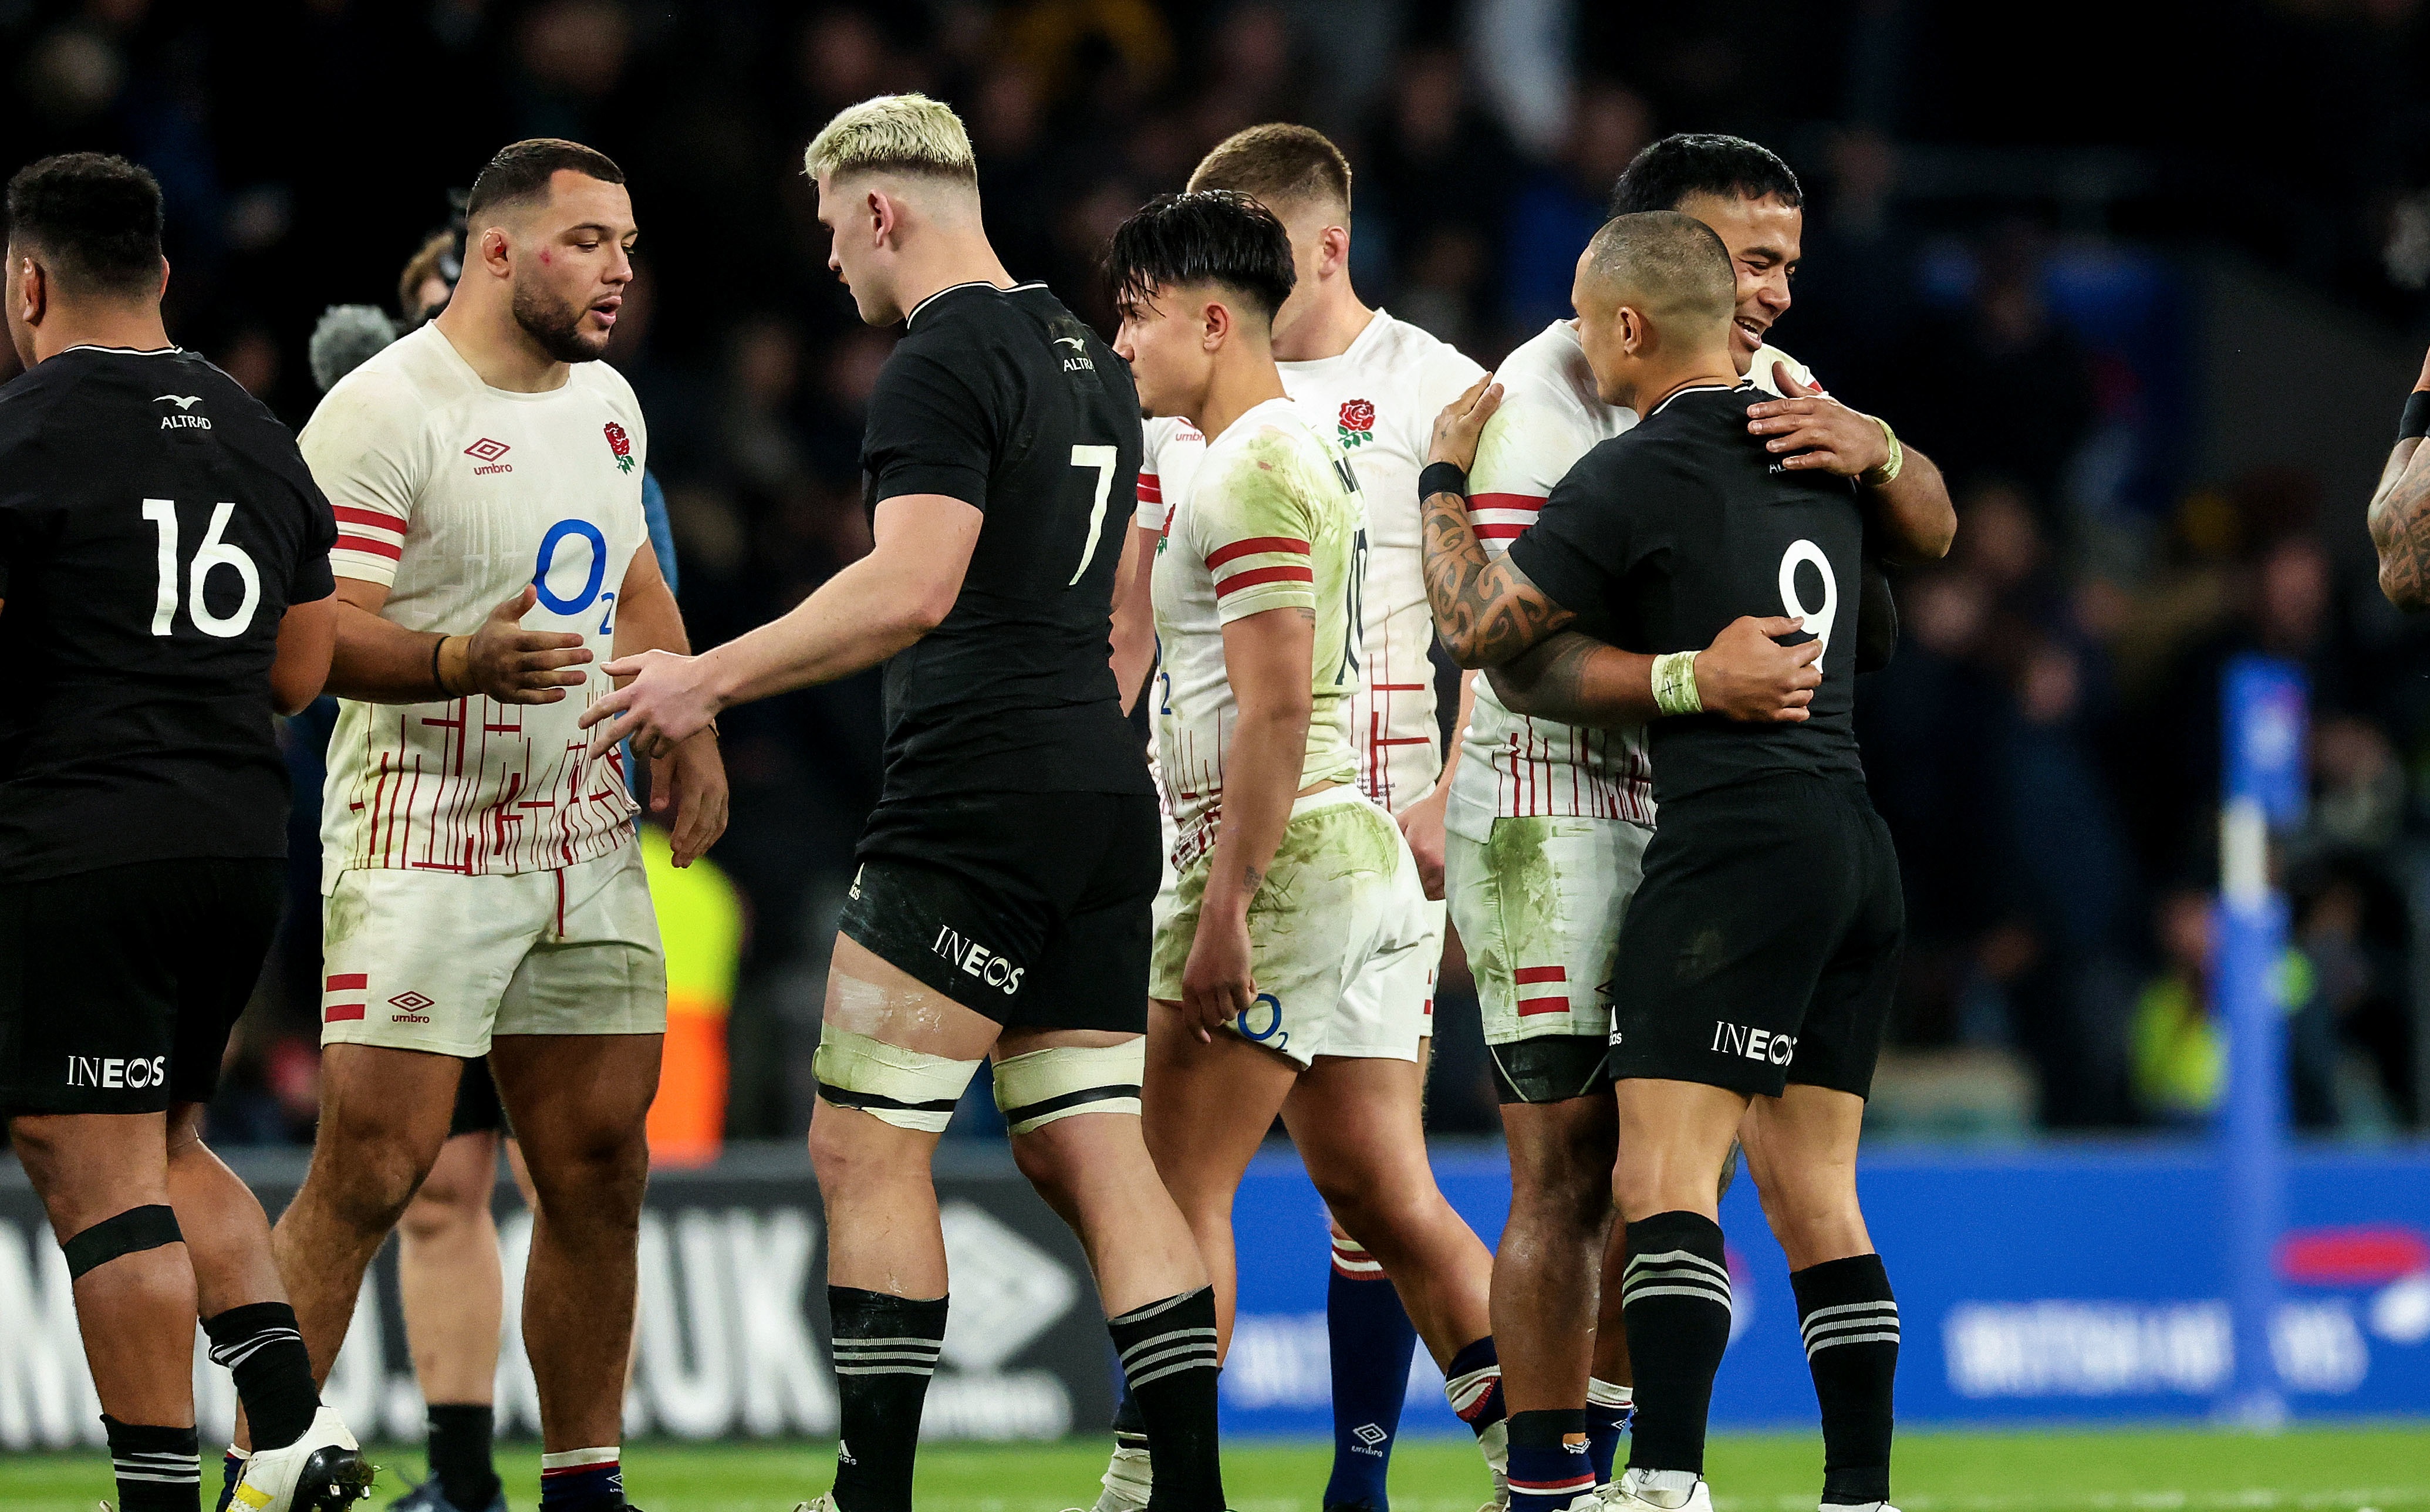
1041,1086
909,1089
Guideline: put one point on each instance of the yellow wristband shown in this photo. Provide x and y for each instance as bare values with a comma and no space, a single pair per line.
1875,477
1675,683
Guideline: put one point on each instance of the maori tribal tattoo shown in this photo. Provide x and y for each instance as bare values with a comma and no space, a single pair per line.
1487,612
2399,527
1549,681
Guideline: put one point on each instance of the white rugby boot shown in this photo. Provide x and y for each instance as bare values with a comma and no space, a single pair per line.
322,1471
1655,1490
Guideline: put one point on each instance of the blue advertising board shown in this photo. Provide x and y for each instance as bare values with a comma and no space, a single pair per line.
2071,1282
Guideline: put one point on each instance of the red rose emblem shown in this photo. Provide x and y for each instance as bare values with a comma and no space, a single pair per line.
619,444
1357,414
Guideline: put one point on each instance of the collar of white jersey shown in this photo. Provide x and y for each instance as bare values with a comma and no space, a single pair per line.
1374,332
1699,388
974,283
171,350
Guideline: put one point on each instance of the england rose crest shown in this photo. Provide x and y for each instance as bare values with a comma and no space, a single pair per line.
621,444
1357,422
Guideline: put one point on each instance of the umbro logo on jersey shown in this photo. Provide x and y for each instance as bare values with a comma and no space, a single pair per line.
181,420
487,452
977,960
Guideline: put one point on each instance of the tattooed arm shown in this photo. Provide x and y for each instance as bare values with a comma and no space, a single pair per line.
1744,675
1485,611
2400,525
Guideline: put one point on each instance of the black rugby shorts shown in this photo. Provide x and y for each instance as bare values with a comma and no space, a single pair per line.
1763,947
1030,907
118,987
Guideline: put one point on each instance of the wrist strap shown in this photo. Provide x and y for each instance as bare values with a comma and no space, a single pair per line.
436,680
1675,683
1875,477
2416,422
1442,478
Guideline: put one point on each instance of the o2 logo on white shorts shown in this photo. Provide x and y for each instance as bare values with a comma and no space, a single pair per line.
1754,1044
114,1073
1273,1034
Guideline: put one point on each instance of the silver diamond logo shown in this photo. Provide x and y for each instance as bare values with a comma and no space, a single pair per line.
1368,1433
1006,1290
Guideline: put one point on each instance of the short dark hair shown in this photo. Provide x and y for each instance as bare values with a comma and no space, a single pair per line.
95,217
522,171
1212,235
1277,163
1703,163
1670,265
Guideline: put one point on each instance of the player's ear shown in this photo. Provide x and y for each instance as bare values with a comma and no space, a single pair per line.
1337,247
492,247
885,221
1218,325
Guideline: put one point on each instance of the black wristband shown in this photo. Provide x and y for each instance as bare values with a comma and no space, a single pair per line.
1442,478
2416,422
436,680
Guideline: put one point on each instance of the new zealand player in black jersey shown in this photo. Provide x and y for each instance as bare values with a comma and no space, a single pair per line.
1759,951
1002,903
164,588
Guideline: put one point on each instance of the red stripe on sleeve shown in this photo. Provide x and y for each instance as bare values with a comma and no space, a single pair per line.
1491,531
344,980
367,517
1529,1006
342,1013
1541,973
1151,489
389,549
1506,501
1253,546
1264,574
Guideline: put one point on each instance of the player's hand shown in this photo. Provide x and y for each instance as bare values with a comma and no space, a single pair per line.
505,661
1421,825
690,783
1823,434
1462,422
667,702
1217,985
1747,674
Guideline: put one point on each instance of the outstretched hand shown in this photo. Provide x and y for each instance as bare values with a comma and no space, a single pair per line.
667,702
1462,422
506,662
1810,431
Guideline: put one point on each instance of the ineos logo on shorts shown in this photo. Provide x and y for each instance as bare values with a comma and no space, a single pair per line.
115,1071
977,960
1754,1044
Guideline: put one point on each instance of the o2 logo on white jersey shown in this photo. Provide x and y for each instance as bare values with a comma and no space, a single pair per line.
1817,622
551,572
1273,1033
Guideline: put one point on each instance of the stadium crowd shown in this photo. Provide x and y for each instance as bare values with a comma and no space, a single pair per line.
2043,746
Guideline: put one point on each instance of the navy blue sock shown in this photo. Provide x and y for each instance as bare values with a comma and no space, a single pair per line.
582,1480
1372,1343
1608,1410
1472,1381
1549,1464
231,1472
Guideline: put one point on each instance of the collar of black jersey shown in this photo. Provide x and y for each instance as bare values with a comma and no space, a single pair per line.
1699,388
974,283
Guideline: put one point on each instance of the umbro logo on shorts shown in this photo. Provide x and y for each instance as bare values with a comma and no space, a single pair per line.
115,1071
409,1006
977,960
1754,1044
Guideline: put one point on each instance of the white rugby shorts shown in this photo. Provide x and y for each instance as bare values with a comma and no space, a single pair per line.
436,961
1339,937
1539,907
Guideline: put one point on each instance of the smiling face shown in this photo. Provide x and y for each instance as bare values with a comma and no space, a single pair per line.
1762,236
570,261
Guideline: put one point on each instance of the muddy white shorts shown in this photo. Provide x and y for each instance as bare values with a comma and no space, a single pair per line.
1539,907
436,961
1339,937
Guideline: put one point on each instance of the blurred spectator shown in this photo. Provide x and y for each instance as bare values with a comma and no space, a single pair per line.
2180,1054
1556,213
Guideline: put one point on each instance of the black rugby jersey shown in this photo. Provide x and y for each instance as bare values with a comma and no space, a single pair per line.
1660,536
155,521
1004,400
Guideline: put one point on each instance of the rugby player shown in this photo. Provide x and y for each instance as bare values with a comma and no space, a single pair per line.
1374,385
1002,901
1297,903
1766,925
484,896
2399,517
164,589
1552,806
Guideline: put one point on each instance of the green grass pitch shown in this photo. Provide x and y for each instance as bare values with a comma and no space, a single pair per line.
2330,1469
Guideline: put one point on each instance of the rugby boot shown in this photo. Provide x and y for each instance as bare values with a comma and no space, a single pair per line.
322,1471
1655,1490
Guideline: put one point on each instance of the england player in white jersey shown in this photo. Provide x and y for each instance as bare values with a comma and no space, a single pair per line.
483,892
1551,813
1372,385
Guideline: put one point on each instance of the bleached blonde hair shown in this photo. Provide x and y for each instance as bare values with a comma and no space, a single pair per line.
894,134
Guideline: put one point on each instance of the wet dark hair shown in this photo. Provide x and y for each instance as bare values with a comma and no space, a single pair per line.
522,171
1701,162
1215,236
95,217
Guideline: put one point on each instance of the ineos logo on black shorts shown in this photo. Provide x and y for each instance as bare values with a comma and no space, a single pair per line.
1754,1044
977,960
115,1071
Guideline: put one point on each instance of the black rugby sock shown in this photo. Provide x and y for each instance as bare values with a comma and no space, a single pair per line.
460,1456
1168,1352
884,1351
1675,1295
1851,1324
158,1469
261,1347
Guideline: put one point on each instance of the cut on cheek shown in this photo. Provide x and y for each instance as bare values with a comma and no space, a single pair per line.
545,259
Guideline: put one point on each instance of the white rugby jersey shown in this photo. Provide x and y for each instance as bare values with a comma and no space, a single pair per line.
1270,520
455,495
1377,402
1511,765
